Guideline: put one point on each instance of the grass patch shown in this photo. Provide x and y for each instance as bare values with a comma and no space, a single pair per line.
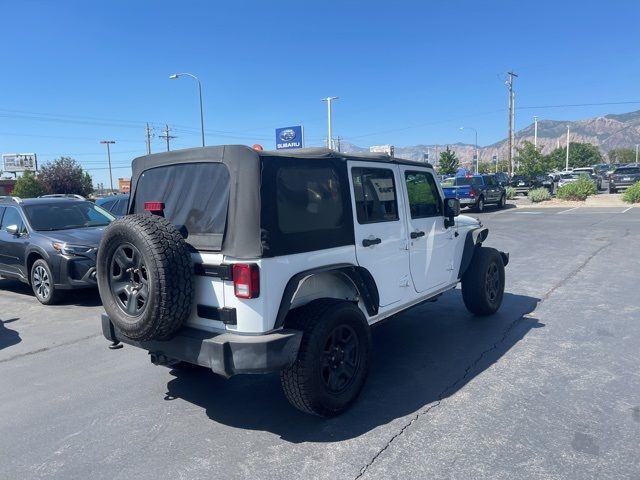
510,192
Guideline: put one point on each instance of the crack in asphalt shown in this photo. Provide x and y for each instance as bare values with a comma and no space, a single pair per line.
52,347
475,363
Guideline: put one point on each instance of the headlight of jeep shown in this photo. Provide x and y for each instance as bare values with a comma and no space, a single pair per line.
68,249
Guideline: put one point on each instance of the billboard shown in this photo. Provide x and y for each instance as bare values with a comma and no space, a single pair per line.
289,137
19,162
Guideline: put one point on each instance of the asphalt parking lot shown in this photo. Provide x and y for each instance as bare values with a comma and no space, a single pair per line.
547,388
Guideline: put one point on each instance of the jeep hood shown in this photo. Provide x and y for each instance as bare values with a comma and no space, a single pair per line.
466,221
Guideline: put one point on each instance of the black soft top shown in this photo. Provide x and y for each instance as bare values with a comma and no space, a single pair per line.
243,235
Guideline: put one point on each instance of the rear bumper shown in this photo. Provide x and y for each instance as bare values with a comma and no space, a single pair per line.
467,201
226,354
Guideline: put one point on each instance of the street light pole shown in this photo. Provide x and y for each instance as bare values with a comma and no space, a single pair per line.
107,143
329,131
177,75
636,153
567,161
535,132
476,146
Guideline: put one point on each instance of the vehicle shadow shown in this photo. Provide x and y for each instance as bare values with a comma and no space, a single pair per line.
8,337
82,297
419,357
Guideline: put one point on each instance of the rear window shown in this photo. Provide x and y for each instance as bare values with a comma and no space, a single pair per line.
468,181
195,197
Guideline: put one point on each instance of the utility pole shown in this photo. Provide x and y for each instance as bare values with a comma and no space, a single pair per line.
535,132
511,121
636,153
329,132
149,135
166,136
107,143
567,162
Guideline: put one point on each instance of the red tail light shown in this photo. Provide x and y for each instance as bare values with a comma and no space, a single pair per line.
154,207
246,280
472,192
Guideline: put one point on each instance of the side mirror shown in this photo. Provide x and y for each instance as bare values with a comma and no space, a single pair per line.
12,230
451,211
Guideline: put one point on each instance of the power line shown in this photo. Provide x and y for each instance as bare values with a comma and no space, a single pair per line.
166,136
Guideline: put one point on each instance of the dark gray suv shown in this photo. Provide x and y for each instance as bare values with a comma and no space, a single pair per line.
50,243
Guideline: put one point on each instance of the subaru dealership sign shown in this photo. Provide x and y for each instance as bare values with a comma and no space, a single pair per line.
289,137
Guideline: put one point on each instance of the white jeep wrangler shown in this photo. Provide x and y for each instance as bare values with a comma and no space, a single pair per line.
248,261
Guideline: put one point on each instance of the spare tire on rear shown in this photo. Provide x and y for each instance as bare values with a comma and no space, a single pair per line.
145,277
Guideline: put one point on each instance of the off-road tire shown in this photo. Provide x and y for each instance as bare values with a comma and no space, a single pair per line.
304,382
168,270
479,207
503,201
483,282
40,285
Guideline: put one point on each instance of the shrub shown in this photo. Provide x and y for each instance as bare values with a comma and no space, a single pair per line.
632,195
29,186
510,192
539,195
578,190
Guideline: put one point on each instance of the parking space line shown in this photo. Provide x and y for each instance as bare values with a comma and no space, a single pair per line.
565,211
624,211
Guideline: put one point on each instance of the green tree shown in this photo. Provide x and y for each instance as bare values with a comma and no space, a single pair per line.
580,155
530,161
448,163
29,186
486,167
65,175
622,155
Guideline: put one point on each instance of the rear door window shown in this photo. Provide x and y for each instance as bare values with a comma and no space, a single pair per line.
195,197
375,195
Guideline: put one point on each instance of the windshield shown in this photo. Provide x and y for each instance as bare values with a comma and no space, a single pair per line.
66,215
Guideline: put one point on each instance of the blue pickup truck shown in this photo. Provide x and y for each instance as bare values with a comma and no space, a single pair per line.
475,191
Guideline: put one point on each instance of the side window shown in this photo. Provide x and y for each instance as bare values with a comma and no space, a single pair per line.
424,200
120,208
490,180
108,205
308,199
375,195
12,217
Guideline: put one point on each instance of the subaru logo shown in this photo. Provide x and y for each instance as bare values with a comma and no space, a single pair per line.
287,135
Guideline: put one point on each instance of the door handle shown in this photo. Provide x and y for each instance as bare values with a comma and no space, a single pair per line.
367,242
417,234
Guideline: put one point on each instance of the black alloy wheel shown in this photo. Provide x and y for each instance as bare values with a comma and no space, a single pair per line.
128,280
341,359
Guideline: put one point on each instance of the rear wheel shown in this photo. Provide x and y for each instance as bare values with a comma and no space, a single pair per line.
42,283
503,201
483,282
480,205
333,360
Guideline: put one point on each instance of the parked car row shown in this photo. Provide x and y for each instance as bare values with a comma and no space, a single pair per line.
51,242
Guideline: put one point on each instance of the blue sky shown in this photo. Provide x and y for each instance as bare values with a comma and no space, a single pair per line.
76,72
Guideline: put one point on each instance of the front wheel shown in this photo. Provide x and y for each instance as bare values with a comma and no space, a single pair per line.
483,282
503,201
333,360
612,190
42,283
480,205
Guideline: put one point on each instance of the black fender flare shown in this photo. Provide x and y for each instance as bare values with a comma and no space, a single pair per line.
35,250
360,276
473,240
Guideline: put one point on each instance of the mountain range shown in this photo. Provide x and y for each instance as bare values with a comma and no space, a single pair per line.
607,133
